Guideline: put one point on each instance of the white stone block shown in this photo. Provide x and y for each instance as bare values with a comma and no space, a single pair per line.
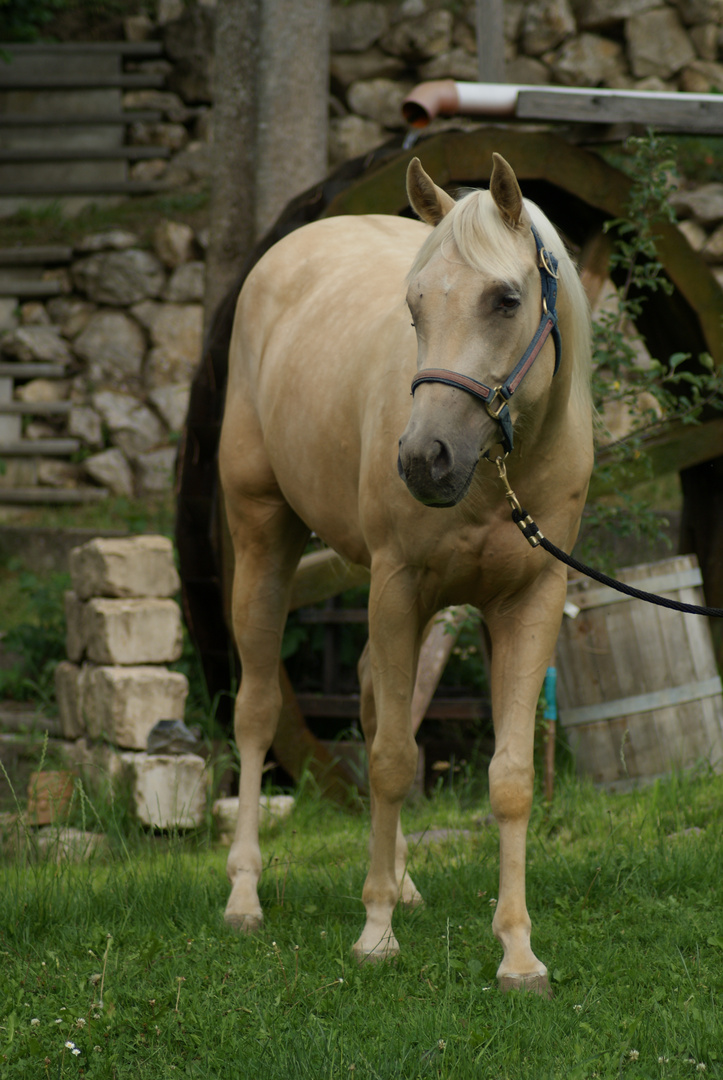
134,566
132,631
272,810
169,790
121,704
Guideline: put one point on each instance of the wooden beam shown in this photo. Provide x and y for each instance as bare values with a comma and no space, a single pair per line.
323,574
98,153
679,112
36,255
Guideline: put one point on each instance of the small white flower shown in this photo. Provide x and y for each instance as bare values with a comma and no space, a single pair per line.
700,1067
80,1022
75,1051
442,1044
663,1060
323,933
634,1055
70,1045
59,1021
340,980
577,1008
493,901
35,1022
97,1049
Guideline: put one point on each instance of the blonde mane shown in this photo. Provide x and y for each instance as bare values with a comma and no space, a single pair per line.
485,242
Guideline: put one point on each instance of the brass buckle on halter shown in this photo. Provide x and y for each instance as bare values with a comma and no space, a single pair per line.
545,263
489,406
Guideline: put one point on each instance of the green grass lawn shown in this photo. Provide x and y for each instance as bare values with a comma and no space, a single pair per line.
625,893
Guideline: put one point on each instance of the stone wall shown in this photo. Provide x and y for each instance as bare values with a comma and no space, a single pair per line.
130,320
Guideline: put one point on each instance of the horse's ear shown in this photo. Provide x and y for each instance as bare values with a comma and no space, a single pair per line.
425,198
505,190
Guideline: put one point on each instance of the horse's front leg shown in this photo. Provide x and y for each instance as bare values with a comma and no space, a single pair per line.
523,640
393,650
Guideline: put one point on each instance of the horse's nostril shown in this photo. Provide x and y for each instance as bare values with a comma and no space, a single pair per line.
439,460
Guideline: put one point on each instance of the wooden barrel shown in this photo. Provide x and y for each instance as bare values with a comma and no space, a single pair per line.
638,687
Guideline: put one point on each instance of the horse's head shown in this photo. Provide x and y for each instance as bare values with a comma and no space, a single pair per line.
478,295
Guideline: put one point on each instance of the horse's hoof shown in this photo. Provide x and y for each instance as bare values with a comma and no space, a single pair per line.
533,983
382,952
245,924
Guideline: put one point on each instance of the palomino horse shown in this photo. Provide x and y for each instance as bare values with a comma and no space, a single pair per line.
321,360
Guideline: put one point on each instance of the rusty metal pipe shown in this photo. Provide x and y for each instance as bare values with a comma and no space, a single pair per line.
445,97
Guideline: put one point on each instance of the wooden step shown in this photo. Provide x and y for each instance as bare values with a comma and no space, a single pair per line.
103,187
21,80
94,48
35,408
35,255
52,120
100,153
32,370
39,448
40,495
29,290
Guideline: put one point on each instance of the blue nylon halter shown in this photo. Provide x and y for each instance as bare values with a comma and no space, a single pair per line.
495,398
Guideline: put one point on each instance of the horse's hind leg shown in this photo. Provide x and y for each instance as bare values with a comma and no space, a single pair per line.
409,895
268,540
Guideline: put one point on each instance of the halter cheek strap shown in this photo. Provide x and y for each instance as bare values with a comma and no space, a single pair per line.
496,398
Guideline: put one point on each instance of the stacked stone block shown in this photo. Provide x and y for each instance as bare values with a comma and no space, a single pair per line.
123,629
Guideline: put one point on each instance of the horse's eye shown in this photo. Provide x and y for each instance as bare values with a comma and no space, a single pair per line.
509,303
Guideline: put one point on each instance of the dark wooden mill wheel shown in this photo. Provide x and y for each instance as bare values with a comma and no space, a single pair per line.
579,192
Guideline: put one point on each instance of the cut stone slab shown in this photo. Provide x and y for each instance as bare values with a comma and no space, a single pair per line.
128,631
169,790
134,566
122,704
273,809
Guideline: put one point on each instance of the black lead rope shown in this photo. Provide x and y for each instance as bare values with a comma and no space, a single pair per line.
535,538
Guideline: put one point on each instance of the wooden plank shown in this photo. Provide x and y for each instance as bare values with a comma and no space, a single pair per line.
673,112
346,706
296,749
35,408
100,153
54,496
98,48
32,370
50,120
29,290
39,448
331,616
683,445
35,255
437,646
10,80
109,187
322,574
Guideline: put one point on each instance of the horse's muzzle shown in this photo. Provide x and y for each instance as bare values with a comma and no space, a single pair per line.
432,472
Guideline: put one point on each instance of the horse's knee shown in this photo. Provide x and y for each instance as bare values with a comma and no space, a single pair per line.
511,788
393,766
256,714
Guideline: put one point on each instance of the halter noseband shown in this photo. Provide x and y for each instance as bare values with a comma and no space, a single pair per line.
495,398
